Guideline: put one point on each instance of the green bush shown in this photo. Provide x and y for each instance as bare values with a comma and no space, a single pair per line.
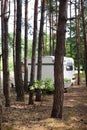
49,87
45,85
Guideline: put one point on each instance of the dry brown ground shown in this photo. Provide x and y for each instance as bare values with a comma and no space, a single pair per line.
21,116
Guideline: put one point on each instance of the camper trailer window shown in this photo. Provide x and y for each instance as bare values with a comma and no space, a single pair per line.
69,67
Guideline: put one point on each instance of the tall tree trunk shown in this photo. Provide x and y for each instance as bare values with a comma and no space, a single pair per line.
39,67
2,27
85,41
70,30
77,40
0,59
32,76
19,82
52,35
50,22
58,67
14,40
6,83
26,48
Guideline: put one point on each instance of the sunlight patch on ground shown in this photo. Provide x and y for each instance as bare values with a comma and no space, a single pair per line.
55,124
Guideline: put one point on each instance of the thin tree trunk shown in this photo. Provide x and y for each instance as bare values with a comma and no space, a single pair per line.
2,27
19,81
6,83
26,48
14,40
32,76
77,40
53,49
39,67
70,31
50,22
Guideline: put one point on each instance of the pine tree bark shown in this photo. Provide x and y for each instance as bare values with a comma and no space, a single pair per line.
14,40
58,66
2,26
32,76
50,22
6,83
85,41
26,48
70,31
39,67
77,40
19,82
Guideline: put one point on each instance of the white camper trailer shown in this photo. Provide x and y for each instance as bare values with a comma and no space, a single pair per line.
69,71
48,69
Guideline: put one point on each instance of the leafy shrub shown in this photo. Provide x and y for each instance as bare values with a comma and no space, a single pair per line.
49,87
45,85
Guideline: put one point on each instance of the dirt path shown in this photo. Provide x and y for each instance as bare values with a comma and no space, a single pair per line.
21,116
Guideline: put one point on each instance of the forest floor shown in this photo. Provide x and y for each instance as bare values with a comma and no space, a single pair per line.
21,116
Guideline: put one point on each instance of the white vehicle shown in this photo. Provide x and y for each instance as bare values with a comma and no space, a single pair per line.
48,69
69,71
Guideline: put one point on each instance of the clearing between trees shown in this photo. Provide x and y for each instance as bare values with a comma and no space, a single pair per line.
21,116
